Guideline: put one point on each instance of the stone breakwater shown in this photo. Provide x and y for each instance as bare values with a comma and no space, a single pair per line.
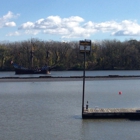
88,77
66,78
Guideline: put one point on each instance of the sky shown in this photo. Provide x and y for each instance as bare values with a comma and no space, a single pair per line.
69,20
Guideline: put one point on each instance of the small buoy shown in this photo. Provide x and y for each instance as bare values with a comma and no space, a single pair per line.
120,92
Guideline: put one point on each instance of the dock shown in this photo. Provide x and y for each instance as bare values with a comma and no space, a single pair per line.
111,113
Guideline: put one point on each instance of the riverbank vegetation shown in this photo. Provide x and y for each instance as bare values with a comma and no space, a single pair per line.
105,55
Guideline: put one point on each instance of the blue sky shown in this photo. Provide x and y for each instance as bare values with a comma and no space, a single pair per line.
65,20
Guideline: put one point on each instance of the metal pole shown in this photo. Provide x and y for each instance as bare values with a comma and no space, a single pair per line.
83,83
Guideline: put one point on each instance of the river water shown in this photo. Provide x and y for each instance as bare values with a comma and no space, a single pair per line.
52,110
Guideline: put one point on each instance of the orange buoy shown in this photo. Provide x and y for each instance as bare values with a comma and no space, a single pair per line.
120,92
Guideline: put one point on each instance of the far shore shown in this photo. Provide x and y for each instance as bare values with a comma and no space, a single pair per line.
71,78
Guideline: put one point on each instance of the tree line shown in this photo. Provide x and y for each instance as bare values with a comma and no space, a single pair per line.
105,55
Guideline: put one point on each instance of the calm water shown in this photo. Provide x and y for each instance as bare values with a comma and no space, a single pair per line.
52,110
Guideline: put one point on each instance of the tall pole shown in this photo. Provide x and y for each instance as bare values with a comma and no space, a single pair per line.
31,54
85,46
83,81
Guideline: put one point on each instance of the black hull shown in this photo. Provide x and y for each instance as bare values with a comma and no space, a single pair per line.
27,71
22,70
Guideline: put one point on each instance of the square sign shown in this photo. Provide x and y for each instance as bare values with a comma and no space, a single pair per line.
85,46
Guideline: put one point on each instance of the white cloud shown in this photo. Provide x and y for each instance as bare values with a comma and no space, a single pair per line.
10,24
33,32
56,26
27,25
123,28
5,20
9,15
75,26
128,28
60,31
13,34
71,27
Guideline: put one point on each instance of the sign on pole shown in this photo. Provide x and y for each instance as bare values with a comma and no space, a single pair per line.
85,46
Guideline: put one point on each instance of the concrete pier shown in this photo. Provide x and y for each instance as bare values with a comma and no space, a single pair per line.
107,113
